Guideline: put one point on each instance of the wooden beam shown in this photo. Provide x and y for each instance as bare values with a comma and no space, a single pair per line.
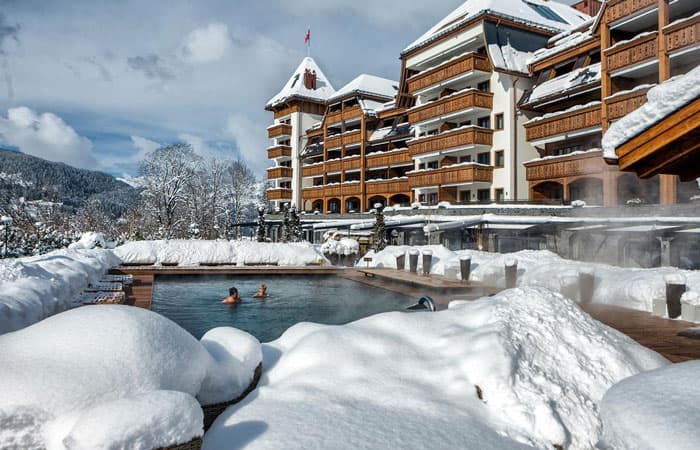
664,61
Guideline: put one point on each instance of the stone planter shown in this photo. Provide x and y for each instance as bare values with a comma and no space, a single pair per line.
659,307
690,313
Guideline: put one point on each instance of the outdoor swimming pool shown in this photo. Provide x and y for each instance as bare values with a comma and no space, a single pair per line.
194,302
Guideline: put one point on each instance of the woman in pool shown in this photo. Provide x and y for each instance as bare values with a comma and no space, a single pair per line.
233,297
262,292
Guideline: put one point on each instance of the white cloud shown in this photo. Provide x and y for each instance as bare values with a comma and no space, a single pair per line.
47,136
206,44
250,139
143,146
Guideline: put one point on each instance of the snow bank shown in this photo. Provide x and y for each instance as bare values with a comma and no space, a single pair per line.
36,287
626,287
335,244
526,367
663,100
655,410
56,374
90,240
196,252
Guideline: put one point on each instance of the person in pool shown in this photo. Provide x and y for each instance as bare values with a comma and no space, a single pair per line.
262,292
233,297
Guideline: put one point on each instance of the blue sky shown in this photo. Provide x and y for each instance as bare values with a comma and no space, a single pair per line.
97,84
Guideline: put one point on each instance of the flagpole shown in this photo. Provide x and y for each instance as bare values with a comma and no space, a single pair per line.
308,44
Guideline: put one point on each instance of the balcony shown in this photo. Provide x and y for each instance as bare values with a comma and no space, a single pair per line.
632,53
352,112
682,34
279,194
334,117
333,142
455,174
312,171
624,103
445,72
567,122
617,10
279,151
460,137
388,187
334,166
588,163
279,172
351,188
450,105
389,159
352,137
279,130
331,191
352,163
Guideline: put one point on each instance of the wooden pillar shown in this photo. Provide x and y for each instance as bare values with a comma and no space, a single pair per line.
566,191
664,62
605,84
610,188
667,189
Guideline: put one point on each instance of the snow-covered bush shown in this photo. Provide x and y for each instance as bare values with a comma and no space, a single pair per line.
59,375
337,244
524,367
90,240
578,204
655,410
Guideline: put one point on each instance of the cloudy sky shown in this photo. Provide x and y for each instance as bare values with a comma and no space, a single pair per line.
97,83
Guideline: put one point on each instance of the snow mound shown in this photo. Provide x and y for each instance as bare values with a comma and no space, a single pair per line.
335,244
63,367
525,367
89,241
152,420
196,252
36,287
655,410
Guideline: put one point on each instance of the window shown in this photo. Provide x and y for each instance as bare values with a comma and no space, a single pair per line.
484,86
546,12
500,196
465,158
500,158
483,195
484,122
465,196
499,121
484,158
432,198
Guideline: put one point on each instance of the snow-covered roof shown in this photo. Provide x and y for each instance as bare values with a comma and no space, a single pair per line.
565,42
548,15
574,79
368,84
295,87
663,100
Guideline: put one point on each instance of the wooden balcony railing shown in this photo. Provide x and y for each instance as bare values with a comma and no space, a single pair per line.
351,188
352,137
334,166
385,159
279,131
566,166
467,173
459,66
632,52
682,34
312,171
331,191
279,152
623,104
333,142
333,117
617,9
279,172
279,194
451,139
352,112
451,104
352,163
566,122
387,187
312,192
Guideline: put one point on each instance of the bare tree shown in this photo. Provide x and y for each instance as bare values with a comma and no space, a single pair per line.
242,193
167,174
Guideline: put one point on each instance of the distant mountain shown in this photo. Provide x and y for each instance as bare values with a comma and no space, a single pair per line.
33,178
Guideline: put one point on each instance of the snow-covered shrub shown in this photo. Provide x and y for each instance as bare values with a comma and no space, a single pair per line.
90,240
337,244
578,204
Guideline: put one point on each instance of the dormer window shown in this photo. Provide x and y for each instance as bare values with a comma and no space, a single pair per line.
546,12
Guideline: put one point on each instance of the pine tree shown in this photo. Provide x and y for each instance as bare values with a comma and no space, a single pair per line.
295,225
286,230
379,228
261,224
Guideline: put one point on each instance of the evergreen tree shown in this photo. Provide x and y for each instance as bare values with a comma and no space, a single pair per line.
295,225
261,224
379,228
286,229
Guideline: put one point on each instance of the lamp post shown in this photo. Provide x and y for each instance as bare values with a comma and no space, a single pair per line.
6,223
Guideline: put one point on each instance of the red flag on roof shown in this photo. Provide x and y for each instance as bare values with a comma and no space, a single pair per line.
307,36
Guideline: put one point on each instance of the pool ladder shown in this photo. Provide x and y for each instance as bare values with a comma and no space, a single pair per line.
425,303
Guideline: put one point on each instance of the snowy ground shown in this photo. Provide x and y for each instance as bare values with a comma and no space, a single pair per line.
196,252
626,287
524,368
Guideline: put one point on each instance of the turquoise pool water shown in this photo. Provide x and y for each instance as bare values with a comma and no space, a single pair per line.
194,302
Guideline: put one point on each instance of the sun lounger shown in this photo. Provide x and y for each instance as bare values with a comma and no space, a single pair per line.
124,279
102,298
100,286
